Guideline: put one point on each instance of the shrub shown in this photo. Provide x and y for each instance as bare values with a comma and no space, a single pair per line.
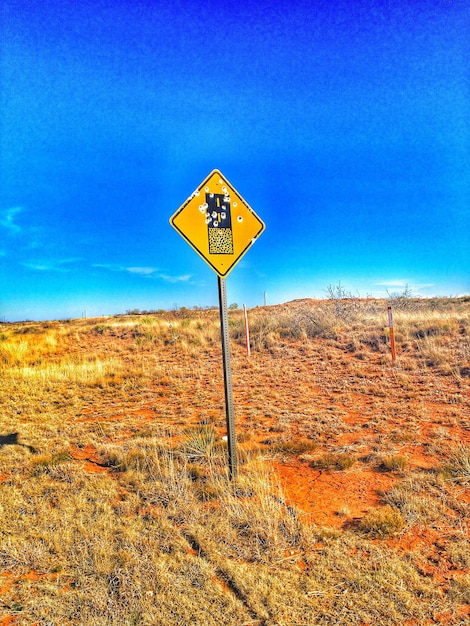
385,521
418,498
459,589
291,447
303,322
200,444
458,465
393,463
346,306
45,463
334,461
101,329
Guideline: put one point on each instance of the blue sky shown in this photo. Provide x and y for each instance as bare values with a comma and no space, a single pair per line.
345,126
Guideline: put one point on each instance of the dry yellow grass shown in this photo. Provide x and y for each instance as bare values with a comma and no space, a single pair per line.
115,507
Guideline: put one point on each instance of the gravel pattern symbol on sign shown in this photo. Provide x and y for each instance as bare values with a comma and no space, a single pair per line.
220,241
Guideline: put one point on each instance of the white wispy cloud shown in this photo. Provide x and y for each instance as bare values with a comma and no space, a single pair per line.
115,267
146,271
402,284
175,279
397,282
422,285
8,217
109,266
143,271
38,267
56,265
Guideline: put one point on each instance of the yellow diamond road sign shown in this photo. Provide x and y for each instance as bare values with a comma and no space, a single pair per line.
217,222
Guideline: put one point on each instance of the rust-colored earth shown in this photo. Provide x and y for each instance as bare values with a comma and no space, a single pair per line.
385,408
335,399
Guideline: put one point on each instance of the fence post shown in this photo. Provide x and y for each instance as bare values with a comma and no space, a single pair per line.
247,331
392,334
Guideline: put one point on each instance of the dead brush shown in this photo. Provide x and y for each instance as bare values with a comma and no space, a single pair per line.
334,461
139,455
47,463
458,553
457,466
459,589
264,331
382,522
290,447
90,372
419,498
202,445
20,349
12,353
393,463
268,328
433,351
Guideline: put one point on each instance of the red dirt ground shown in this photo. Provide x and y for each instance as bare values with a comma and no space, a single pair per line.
323,393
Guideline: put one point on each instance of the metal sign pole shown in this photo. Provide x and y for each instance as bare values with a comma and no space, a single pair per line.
229,412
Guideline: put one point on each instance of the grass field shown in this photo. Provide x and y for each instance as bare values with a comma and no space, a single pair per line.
352,504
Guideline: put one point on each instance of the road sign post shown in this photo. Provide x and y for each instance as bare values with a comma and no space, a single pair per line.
229,410
220,226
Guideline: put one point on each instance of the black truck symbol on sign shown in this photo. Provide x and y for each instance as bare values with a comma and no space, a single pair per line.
219,223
